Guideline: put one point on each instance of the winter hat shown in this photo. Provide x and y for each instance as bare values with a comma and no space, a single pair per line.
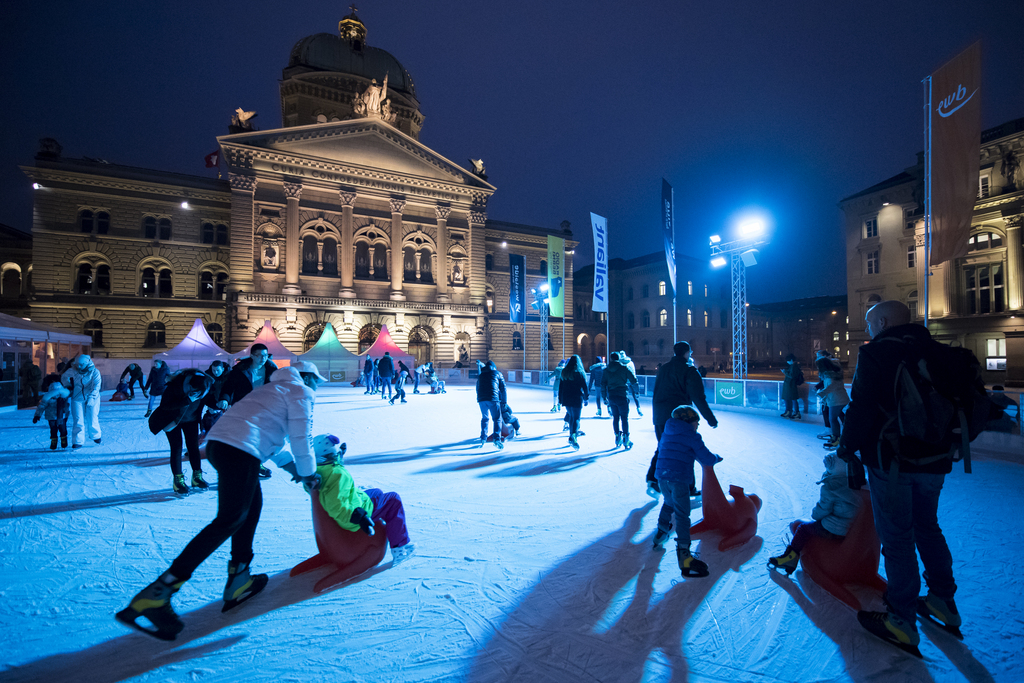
305,367
325,448
834,467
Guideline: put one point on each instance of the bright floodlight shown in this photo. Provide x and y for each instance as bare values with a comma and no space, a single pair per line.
751,227
715,239
544,287
36,186
184,205
718,262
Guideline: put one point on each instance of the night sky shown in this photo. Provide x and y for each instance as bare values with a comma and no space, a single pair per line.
574,106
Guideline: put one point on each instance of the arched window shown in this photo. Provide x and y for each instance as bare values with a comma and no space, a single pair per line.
312,335
629,294
689,317
645,319
490,299
489,262
517,341
310,259
835,336
707,318
362,261
94,328
222,234
155,338
330,257
103,279
874,299
543,267
662,318
662,288
630,320
222,287
409,264
148,285
165,228
84,285
689,287
367,335
216,333
165,286
10,284
206,285
321,118
206,233
645,347
86,221
630,349
419,345
380,262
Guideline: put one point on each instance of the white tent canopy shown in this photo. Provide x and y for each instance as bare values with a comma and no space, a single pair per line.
332,359
281,355
196,350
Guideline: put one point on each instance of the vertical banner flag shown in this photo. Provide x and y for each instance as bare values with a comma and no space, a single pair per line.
600,224
668,230
516,288
556,276
955,152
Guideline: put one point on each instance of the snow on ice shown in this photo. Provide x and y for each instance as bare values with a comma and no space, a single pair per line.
533,563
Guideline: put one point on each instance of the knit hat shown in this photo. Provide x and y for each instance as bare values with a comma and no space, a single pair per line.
325,448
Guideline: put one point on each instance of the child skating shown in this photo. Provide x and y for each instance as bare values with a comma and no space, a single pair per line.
679,447
53,405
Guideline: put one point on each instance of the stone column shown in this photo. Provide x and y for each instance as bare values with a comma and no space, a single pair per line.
441,267
477,275
242,214
949,275
1014,267
292,248
397,235
346,253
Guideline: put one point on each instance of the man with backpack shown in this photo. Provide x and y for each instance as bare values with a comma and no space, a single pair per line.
905,472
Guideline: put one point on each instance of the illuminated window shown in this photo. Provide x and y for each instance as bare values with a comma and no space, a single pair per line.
984,240
662,318
216,333
689,287
662,288
984,288
517,341
984,181
707,318
689,318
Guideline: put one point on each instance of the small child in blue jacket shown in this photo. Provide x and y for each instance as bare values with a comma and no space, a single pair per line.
679,447
833,515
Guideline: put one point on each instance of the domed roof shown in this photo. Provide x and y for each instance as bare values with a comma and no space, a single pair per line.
327,52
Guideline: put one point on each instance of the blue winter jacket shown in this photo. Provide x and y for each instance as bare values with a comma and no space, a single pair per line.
680,445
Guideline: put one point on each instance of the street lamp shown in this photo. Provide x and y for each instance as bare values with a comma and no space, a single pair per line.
742,253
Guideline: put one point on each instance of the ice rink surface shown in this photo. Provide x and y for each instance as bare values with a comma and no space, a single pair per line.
533,563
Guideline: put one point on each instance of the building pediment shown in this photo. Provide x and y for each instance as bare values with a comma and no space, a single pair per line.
367,144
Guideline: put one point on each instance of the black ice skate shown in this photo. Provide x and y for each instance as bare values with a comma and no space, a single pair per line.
883,625
154,603
788,560
689,565
942,613
661,537
241,585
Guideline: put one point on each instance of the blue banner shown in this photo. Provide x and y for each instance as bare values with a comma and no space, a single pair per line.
668,230
517,288
600,224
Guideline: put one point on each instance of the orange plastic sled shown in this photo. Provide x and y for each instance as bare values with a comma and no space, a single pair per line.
736,519
351,552
833,564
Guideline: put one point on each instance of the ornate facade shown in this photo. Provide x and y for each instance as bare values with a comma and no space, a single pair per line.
977,300
342,215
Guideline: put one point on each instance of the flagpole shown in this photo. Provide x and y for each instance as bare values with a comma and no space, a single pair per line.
564,280
927,82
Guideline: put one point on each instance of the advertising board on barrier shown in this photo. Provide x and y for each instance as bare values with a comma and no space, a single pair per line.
729,393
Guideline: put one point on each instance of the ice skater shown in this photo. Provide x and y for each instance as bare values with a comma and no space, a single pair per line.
555,378
155,384
386,370
572,393
680,446
248,374
509,418
634,389
177,416
134,373
594,387
218,370
403,375
83,381
833,515
255,428
368,375
490,396
616,381
53,405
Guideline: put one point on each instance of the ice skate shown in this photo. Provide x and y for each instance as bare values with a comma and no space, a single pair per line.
795,416
402,553
689,565
198,482
831,444
265,472
825,436
581,433
154,603
661,537
554,409
53,444
626,443
572,442
97,441
498,442
148,413
63,442
618,440
942,613
179,486
891,629
788,561
241,585
639,412
653,491
565,426
788,413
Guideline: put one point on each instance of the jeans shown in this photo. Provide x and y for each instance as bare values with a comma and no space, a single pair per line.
489,408
131,386
368,379
239,502
59,427
573,417
415,382
792,405
85,421
677,502
190,432
906,516
153,398
388,506
834,415
805,531
597,398
385,382
619,407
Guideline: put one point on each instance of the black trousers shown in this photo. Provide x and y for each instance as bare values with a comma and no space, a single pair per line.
190,432
619,407
239,502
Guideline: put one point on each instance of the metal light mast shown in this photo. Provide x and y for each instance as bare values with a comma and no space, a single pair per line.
741,254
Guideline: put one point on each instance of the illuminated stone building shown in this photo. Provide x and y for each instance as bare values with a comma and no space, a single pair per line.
977,300
341,216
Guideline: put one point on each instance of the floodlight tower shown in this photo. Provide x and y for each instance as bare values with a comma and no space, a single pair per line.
741,254
540,304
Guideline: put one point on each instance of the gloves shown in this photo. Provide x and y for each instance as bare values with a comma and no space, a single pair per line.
310,483
362,519
844,454
222,405
855,474
35,419
714,425
586,403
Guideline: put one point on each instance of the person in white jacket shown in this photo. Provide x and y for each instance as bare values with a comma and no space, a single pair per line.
247,434
83,381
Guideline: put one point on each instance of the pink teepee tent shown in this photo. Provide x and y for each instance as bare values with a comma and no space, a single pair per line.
280,355
385,343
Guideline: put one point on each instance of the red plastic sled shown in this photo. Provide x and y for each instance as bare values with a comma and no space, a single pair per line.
736,519
351,552
833,565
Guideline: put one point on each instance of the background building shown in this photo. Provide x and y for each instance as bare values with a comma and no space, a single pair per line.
15,271
801,327
976,301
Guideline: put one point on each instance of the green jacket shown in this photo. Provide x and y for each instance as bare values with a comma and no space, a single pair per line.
340,497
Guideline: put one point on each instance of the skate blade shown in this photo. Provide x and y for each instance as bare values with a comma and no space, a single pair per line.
693,574
259,582
128,617
926,617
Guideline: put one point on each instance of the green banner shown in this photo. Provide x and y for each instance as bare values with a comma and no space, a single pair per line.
556,276
729,393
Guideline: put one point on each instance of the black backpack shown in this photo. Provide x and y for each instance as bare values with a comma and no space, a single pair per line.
940,404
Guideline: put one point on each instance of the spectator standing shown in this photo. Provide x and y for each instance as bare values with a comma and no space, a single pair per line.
794,377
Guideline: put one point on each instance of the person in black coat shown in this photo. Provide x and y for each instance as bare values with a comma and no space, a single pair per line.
134,373
678,384
248,373
386,370
181,406
490,396
596,372
155,384
368,375
218,370
572,394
